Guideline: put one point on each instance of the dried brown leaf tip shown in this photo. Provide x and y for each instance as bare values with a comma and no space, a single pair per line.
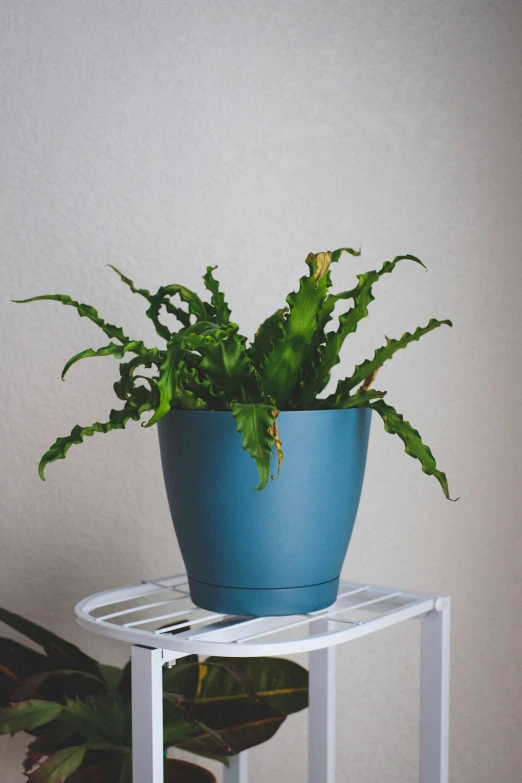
274,432
323,261
368,380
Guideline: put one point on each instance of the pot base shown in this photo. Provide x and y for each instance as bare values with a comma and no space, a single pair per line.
263,602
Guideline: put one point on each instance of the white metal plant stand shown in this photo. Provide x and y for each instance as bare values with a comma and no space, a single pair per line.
134,614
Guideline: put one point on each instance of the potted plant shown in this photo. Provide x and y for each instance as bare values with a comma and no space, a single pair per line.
78,711
278,550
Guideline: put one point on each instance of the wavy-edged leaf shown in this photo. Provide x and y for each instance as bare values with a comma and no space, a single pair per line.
85,311
395,424
63,654
125,387
269,330
150,355
224,361
202,311
182,316
254,421
327,354
197,392
168,379
60,766
381,355
27,715
218,298
359,399
283,364
117,421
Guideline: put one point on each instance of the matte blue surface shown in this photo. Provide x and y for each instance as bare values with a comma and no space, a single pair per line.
274,552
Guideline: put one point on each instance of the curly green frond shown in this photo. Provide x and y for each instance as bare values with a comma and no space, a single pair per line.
395,424
217,299
182,316
117,421
255,422
283,364
328,353
118,351
225,362
370,366
269,330
360,399
85,311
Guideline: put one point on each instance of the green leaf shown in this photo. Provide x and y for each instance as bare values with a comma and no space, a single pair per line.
100,721
224,361
57,685
178,771
279,682
58,767
93,773
218,299
413,445
199,309
283,365
147,355
180,314
254,421
381,355
27,715
112,676
269,330
85,311
168,379
63,654
359,399
327,355
117,421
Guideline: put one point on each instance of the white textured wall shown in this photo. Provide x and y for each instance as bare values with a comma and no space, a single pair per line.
165,135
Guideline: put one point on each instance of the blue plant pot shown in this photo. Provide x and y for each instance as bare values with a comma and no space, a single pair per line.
278,551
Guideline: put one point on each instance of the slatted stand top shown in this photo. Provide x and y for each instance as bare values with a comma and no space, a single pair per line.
148,613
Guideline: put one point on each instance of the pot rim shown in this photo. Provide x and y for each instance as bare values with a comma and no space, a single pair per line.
324,412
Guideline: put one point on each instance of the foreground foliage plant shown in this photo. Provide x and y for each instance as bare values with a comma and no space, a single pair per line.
208,365
78,711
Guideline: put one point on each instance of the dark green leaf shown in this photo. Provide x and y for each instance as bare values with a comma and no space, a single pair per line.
27,715
117,421
283,365
63,654
57,685
269,330
359,399
280,683
180,314
17,663
100,721
224,361
85,311
58,767
326,355
413,445
218,300
254,421
147,355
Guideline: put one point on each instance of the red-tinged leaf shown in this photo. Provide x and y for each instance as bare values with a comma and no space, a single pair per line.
28,715
177,771
59,767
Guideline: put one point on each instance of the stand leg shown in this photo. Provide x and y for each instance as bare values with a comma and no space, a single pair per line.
147,715
321,716
434,721
237,772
